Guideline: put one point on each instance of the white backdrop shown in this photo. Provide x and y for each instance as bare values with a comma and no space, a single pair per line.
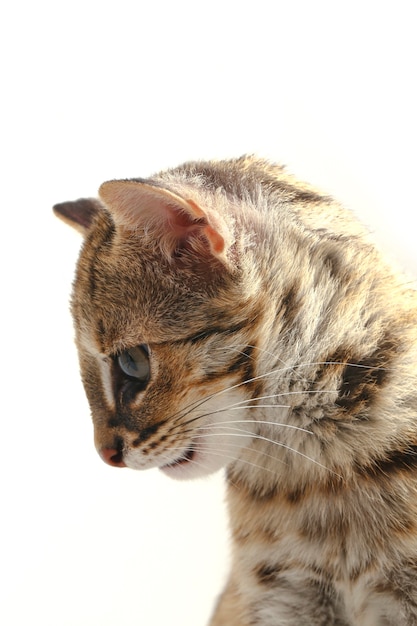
92,91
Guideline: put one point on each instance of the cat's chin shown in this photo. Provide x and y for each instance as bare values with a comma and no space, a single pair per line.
192,465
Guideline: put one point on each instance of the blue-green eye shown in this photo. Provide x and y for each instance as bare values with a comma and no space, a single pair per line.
135,363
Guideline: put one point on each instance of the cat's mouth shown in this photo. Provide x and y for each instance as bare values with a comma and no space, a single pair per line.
186,457
195,460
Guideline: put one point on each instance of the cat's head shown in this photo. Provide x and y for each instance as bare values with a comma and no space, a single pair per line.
167,318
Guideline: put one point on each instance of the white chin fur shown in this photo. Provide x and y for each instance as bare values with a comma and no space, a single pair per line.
202,464
214,444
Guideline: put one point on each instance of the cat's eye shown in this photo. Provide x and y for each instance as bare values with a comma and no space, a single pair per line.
134,363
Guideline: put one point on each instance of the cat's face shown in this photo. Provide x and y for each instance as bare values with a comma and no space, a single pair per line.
166,354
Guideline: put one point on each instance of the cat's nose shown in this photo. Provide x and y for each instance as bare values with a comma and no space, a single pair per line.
112,456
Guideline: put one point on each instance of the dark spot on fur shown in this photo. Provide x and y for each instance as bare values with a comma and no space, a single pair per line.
307,196
394,462
262,494
333,263
124,419
257,491
267,574
361,378
101,334
146,433
295,496
216,330
335,527
245,364
333,365
290,306
359,384
322,575
243,361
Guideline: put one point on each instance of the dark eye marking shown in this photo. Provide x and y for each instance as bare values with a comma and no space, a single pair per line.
215,331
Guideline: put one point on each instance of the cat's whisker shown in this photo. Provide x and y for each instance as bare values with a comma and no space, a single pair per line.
171,462
280,395
271,376
190,407
224,424
273,395
221,451
272,354
237,351
258,406
265,422
250,435
231,408
197,403
272,441
239,405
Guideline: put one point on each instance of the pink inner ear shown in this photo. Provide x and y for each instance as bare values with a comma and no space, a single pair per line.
184,224
170,217
182,219
216,241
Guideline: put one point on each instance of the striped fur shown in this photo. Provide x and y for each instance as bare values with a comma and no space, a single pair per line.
281,347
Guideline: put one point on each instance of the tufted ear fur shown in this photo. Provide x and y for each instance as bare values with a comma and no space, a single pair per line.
176,223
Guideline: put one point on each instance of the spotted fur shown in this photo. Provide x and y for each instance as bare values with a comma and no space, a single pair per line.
280,346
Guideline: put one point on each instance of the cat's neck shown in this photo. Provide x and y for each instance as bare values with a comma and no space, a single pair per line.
330,373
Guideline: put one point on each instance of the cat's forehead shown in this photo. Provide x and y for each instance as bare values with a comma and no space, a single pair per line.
126,293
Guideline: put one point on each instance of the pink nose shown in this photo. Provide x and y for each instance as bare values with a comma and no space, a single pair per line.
112,457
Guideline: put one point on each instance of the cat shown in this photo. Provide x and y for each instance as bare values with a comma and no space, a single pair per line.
229,316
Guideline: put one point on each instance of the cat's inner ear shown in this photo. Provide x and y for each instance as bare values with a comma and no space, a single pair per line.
174,221
79,214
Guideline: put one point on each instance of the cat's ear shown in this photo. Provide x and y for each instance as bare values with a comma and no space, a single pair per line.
79,214
175,222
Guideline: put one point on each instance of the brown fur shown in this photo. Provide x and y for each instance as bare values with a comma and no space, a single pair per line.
282,346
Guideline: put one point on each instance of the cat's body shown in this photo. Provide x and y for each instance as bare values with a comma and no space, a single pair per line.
227,315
